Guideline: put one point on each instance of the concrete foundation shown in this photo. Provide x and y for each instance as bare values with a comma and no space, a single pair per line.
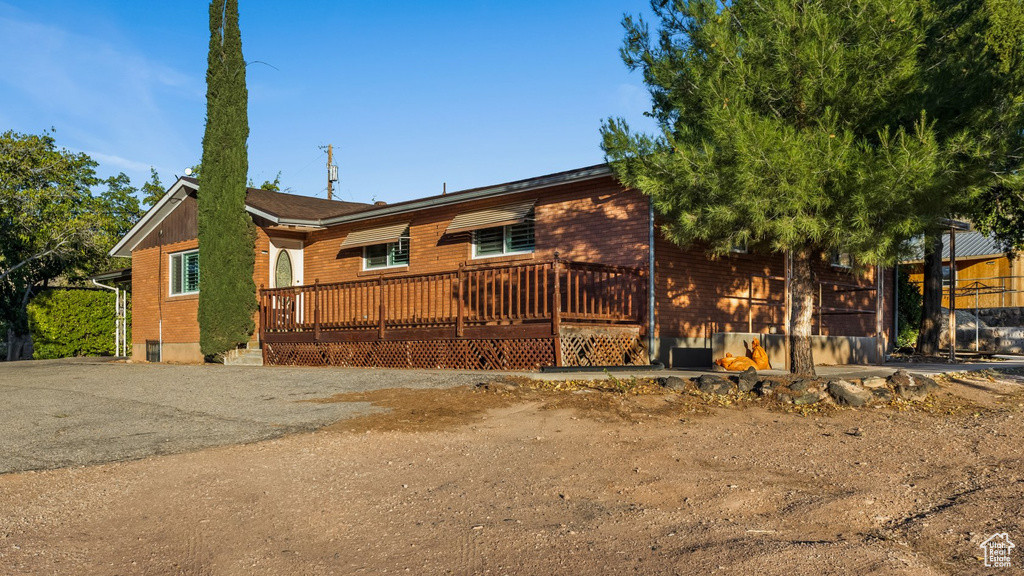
172,353
701,352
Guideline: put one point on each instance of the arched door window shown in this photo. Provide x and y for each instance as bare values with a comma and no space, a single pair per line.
283,270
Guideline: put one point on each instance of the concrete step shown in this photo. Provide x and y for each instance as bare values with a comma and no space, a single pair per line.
248,356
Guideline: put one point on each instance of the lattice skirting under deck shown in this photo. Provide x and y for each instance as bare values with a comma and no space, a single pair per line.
518,354
597,349
579,348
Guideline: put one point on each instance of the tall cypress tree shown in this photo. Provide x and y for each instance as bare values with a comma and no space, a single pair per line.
227,295
778,132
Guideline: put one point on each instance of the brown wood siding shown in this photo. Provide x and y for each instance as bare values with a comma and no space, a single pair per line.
180,225
999,282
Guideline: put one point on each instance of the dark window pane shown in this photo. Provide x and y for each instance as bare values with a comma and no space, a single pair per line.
489,241
376,256
520,237
399,252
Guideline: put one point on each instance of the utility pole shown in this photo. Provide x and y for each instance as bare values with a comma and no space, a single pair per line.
330,164
332,171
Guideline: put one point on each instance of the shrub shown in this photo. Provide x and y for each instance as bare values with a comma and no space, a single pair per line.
67,323
909,305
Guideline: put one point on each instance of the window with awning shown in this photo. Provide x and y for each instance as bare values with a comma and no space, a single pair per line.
492,217
373,236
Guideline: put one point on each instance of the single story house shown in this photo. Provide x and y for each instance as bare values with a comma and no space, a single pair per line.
564,269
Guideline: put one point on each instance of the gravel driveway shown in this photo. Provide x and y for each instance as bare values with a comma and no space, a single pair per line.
58,413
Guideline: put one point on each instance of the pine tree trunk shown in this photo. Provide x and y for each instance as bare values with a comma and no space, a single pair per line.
931,312
802,289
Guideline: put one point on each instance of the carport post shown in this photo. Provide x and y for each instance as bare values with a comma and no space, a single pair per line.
952,294
879,315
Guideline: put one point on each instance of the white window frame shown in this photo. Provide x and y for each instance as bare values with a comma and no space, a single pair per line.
181,268
506,232
391,248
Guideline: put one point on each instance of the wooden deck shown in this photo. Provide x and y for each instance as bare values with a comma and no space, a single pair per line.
509,316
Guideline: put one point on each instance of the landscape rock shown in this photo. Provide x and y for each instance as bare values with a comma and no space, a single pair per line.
849,394
767,386
806,399
800,385
675,383
747,380
882,394
710,384
873,383
925,383
901,378
912,393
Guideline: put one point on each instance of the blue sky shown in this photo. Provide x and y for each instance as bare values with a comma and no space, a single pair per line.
411,94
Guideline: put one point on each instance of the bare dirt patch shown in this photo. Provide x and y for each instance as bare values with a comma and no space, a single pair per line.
524,477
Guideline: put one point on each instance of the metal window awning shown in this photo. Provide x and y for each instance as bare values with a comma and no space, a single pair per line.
372,236
499,216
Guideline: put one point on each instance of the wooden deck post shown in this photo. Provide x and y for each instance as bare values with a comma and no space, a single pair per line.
262,313
556,310
383,309
316,309
460,322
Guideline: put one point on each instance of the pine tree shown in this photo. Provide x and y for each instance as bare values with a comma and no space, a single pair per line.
785,128
227,295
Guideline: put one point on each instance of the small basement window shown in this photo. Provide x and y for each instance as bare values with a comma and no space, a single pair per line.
185,273
501,240
152,350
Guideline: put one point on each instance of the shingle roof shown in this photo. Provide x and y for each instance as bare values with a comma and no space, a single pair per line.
295,207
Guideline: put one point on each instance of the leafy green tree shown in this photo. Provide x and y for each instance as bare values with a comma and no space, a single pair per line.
52,227
272,185
227,295
153,190
778,131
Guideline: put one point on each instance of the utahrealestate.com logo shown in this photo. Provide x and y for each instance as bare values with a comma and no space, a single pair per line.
997,550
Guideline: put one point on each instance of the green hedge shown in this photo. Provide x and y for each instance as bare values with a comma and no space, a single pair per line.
72,323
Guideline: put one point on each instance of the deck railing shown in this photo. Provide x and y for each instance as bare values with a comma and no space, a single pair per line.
534,292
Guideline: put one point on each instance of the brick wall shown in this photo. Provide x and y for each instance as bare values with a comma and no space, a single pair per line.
151,301
594,221
697,296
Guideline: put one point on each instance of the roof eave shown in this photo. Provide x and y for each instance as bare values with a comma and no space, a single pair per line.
149,220
585,174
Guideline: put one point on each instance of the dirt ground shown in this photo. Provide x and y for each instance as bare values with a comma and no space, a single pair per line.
524,477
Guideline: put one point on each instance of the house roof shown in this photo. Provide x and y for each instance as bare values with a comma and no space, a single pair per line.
294,210
293,206
120,275
277,207
968,245
567,177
